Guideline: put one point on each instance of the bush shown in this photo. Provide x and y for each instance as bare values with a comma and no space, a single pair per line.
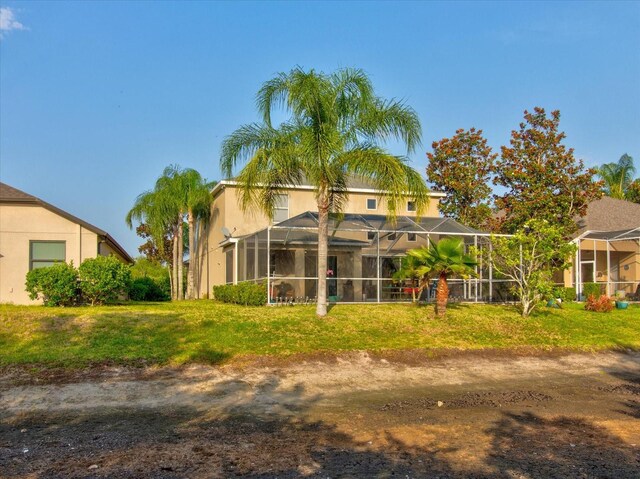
103,279
56,285
603,304
247,294
146,289
591,289
567,295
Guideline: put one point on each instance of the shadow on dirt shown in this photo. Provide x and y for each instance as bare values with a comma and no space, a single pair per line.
256,438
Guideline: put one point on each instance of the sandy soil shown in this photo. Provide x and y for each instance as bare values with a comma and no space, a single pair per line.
351,416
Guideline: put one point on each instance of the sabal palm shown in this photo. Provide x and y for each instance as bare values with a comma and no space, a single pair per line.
442,259
335,124
617,176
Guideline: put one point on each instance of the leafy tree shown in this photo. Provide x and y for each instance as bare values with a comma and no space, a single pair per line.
541,177
335,125
56,285
529,258
144,268
159,253
633,191
103,279
461,167
441,260
618,177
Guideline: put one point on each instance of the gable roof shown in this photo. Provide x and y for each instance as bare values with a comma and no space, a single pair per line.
610,214
11,195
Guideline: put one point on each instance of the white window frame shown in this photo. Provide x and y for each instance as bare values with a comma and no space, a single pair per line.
279,208
376,203
414,206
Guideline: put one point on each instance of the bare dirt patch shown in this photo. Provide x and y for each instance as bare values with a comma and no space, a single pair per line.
568,416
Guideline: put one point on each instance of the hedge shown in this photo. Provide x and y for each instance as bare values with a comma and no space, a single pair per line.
247,294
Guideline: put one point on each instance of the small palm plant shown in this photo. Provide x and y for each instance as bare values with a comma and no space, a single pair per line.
413,269
443,259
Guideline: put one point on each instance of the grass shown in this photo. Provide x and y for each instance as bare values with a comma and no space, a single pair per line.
209,332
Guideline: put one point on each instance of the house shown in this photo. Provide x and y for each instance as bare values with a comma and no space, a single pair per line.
365,248
34,234
608,248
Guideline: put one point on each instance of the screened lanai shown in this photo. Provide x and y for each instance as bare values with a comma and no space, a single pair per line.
611,259
365,252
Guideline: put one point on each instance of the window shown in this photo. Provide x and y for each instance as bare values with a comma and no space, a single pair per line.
281,209
372,204
371,235
46,253
411,205
391,237
411,237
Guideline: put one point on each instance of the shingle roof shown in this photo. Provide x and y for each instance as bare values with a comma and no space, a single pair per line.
11,195
610,214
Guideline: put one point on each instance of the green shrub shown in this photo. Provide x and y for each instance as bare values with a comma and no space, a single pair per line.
247,294
591,289
567,295
146,289
56,285
103,279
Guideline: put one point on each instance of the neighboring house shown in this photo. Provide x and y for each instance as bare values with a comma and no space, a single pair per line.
609,248
364,248
34,234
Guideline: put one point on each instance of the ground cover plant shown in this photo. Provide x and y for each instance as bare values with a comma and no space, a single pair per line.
211,332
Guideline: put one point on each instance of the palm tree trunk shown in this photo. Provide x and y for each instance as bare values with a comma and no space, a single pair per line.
442,295
180,260
323,247
192,255
174,266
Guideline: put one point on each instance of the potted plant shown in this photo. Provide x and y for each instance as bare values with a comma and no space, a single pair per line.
621,300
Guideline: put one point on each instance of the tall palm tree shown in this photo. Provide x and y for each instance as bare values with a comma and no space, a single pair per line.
442,259
617,176
196,200
156,209
334,130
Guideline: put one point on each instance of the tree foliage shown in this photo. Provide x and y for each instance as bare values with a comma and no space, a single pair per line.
529,259
461,167
617,177
633,191
541,177
56,285
335,129
103,279
442,260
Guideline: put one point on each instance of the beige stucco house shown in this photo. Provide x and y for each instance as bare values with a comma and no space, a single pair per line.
365,248
609,248
34,233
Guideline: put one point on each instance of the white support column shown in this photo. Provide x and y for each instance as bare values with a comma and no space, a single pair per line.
235,263
379,286
475,244
490,271
608,270
268,265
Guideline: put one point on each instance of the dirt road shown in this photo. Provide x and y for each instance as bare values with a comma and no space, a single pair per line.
355,416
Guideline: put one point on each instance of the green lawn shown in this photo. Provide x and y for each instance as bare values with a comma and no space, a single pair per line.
208,332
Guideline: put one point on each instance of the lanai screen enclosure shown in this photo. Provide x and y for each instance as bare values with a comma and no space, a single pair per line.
365,252
611,259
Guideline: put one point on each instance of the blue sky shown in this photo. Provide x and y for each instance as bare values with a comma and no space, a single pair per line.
97,97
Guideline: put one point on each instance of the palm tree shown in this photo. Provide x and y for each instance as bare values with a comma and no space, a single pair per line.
442,259
617,176
336,123
414,269
196,200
